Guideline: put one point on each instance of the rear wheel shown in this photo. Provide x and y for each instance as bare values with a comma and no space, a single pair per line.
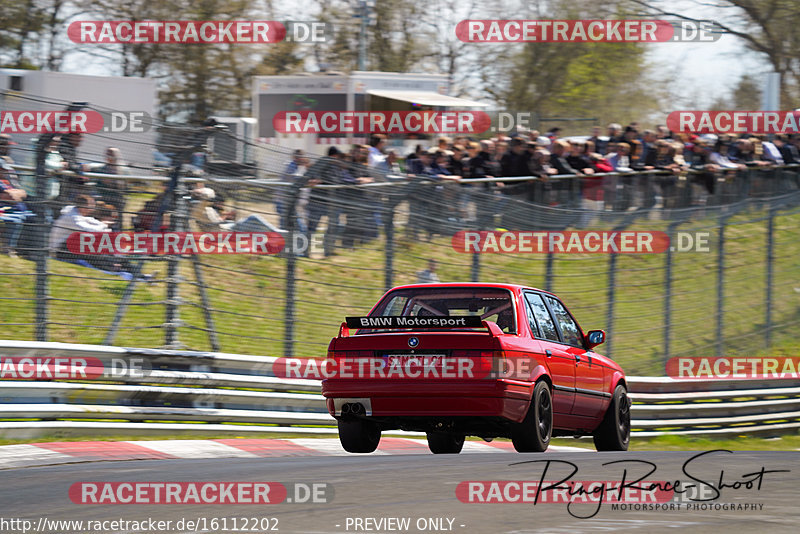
359,435
614,433
533,433
445,442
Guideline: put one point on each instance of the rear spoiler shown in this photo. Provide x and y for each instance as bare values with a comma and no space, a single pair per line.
417,323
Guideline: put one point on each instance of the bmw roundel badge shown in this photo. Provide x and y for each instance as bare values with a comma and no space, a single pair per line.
413,342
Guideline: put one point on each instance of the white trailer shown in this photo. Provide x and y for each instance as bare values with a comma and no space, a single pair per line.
32,90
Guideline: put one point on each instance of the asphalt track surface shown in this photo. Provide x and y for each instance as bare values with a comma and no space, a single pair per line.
422,486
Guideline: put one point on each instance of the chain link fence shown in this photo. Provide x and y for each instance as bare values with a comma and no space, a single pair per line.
352,232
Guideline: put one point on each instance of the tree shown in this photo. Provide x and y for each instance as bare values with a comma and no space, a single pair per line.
770,28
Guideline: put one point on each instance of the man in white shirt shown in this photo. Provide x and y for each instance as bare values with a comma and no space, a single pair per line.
75,218
376,155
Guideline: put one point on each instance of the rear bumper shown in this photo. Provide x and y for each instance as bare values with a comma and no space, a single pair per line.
491,398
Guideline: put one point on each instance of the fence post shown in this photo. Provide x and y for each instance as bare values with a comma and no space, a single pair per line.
720,286
668,291
388,228
178,224
548,273
612,288
40,240
475,273
291,266
770,261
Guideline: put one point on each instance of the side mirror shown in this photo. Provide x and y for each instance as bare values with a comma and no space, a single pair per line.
594,338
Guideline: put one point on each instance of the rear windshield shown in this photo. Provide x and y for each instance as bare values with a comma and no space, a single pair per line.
489,304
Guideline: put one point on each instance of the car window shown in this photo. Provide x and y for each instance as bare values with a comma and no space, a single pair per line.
547,329
490,304
569,328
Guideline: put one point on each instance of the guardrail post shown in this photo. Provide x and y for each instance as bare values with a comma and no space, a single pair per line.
475,271
770,258
720,346
548,272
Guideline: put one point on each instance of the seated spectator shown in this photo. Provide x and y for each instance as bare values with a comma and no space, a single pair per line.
213,216
79,218
13,210
154,216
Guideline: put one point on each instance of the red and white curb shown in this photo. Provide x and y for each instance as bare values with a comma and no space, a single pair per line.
38,454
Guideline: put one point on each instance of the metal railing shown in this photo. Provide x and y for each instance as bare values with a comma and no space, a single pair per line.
217,393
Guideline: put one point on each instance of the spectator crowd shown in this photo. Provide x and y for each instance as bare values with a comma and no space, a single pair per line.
450,184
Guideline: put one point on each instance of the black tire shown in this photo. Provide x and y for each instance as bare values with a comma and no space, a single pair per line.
445,442
358,435
614,433
534,432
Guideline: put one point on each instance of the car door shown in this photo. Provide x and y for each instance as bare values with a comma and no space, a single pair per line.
590,396
560,363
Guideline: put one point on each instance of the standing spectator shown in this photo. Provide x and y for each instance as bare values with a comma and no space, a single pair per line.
294,169
515,161
13,210
110,190
600,143
788,150
614,133
648,156
620,160
376,157
76,183
428,276
5,148
558,158
324,202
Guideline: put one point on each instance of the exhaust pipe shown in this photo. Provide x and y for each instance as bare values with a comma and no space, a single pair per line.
357,409
346,409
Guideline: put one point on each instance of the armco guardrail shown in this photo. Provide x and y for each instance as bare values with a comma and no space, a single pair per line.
186,391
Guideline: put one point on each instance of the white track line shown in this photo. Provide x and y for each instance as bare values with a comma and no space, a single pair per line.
195,448
327,446
29,456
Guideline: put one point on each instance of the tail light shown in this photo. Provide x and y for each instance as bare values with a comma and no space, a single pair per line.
488,363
